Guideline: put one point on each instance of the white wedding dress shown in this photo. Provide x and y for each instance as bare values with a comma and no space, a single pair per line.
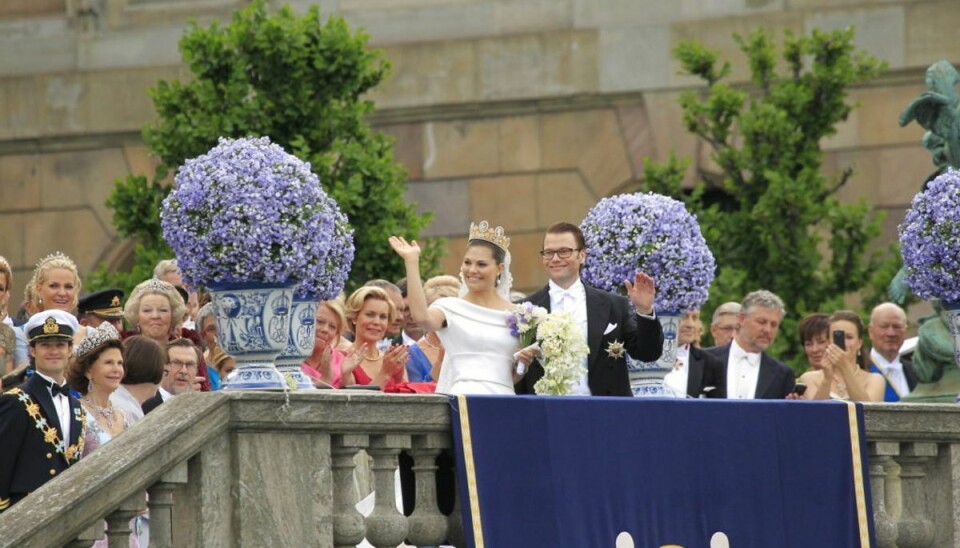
478,349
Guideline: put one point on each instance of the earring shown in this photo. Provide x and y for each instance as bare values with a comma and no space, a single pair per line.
497,282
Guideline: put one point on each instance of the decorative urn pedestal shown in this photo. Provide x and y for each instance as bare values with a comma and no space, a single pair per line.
300,338
646,378
253,326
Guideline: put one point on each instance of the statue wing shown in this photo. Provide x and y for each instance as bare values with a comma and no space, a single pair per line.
927,111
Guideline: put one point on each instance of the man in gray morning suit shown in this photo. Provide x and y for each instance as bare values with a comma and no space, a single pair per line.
750,373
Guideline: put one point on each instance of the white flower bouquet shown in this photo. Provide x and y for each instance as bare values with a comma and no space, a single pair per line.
561,345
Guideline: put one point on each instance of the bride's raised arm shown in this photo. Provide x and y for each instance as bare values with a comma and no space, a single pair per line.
429,319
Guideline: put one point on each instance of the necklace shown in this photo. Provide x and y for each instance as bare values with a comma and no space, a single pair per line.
841,386
105,412
375,358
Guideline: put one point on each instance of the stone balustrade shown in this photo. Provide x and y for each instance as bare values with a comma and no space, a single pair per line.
258,468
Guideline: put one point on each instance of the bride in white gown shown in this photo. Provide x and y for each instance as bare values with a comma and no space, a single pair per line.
473,327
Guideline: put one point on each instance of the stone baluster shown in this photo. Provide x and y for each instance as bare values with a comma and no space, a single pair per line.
118,521
348,525
88,536
914,529
427,525
455,523
160,501
885,526
386,526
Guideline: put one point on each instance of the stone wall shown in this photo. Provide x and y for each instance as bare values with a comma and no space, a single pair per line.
523,112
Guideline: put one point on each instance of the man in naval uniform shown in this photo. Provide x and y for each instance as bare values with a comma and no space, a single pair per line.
41,424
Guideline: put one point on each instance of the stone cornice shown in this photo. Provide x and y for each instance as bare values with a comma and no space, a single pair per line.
580,101
438,112
69,143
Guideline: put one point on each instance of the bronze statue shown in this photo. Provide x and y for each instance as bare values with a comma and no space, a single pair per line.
938,112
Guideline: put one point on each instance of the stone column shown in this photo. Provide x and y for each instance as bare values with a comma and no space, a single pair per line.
427,525
386,526
455,523
88,536
914,529
161,506
348,526
885,526
118,522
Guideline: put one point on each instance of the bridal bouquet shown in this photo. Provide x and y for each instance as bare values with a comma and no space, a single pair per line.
524,320
930,240
655,234
561,345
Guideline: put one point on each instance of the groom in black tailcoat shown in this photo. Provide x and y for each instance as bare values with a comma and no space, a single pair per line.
609,324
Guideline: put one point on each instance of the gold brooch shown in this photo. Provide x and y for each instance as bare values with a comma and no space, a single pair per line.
615,350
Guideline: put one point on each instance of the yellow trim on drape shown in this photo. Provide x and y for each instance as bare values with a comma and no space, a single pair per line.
858,486
471,472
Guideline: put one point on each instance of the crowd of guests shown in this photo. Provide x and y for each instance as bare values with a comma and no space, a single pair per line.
112,360
840,365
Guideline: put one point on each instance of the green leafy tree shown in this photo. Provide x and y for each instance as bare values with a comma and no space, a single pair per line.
301,82
771,216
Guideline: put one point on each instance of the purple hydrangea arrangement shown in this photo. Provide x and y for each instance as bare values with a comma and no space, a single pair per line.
930,240
247,211
654,234
330,273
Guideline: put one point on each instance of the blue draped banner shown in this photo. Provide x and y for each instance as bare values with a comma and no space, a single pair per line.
540,471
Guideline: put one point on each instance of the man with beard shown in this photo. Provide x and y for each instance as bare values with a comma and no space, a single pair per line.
750,373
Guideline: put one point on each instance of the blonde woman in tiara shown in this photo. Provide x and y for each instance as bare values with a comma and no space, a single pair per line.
56,286
472,327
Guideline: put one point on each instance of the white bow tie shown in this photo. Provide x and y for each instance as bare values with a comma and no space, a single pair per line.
559,294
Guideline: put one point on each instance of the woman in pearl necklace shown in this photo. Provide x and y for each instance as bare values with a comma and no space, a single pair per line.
95,374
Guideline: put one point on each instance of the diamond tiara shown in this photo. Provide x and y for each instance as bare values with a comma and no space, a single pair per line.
56,255
484,231
96,336
155,284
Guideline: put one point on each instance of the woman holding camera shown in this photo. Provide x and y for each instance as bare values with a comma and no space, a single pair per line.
844,373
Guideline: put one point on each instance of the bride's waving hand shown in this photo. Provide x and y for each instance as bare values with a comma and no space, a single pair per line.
429,319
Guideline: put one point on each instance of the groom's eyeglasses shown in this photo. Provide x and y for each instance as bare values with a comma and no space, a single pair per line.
563,253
